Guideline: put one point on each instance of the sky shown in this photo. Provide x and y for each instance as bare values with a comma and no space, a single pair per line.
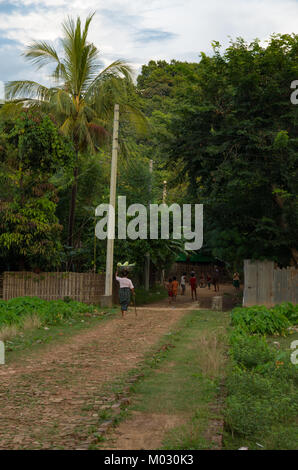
138,31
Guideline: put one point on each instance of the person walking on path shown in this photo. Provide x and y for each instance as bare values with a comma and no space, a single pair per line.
169,286
125,289
175,285
193,285
202,282
215,280
236,280
208,280
183,283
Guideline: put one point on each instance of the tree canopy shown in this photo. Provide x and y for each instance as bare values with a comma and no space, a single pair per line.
234,129
222,132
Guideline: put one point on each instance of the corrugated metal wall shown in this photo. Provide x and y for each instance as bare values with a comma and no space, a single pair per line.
266,285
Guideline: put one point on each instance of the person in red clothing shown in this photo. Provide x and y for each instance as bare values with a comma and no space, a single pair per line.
175,285
193,285
169,286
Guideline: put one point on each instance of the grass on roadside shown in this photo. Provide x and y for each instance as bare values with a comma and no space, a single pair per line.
262,398
30,322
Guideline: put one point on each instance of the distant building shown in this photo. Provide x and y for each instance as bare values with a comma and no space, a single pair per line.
200,264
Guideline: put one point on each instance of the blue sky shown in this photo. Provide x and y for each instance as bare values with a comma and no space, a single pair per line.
138,31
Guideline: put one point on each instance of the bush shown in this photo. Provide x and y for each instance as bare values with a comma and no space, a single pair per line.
256,402
250,351
14,311
288,310
262,397
260,319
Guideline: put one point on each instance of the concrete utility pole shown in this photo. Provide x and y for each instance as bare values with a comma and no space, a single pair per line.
164,193
107,299
147,267
164,198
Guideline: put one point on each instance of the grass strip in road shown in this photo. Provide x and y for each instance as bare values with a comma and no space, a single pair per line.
183,378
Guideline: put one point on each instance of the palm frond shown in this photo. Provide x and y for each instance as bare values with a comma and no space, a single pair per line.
41,53
115,71
98,133
62,102
135,116
67,126
80,56
86,27
83,99
26,90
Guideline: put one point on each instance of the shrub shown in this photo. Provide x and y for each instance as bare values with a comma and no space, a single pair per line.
288,310
255,403
250,351
259,319
14,311
262,383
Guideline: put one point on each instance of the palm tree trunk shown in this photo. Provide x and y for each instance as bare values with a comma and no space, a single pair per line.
72,207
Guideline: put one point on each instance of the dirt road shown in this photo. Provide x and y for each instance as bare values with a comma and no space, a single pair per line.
44,398
47,399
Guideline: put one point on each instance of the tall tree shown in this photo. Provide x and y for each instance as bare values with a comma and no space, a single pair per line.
236,131
83,97
31,149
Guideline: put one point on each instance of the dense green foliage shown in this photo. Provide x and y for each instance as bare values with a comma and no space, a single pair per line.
250,351
261,403
14,311
31,152
263,320
222,132
229,125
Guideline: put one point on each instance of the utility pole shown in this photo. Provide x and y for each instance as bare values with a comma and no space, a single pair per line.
164,193
147,267
107,299
164,198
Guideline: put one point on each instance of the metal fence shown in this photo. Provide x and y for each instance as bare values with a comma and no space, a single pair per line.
267,285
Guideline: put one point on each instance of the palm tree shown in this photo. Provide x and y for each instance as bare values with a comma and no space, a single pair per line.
83,97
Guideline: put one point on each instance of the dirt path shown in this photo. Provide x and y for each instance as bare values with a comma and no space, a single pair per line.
47,400
142,431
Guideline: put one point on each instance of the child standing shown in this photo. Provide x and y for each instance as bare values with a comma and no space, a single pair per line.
202,280
236,280
183,283
175,285
193,285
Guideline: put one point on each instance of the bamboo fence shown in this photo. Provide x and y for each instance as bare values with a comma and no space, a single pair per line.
83,287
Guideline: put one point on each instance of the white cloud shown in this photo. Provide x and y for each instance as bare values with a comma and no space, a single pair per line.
150,29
